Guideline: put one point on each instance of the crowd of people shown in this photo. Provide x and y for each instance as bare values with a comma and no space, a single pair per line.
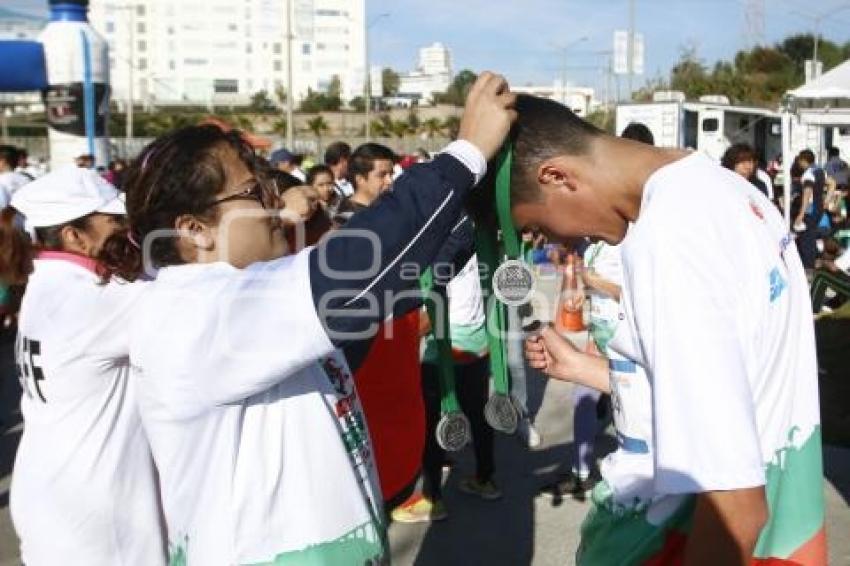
225,358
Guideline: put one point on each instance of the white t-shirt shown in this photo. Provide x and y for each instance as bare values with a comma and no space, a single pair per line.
84,486
466,306
254,420
715,307
10,181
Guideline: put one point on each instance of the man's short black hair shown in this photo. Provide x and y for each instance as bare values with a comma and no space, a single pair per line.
9,154
317,170
807,155
833,152
336,152
363,159
638,132
544,129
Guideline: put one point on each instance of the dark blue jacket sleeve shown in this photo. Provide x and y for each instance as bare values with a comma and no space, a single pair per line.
369,269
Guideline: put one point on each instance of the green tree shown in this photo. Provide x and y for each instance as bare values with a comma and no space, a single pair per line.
319,102
432,127
317,127
400,128
413,121
458,89
358,104
335,87
279,126
451,125
280,95
261,103
391,81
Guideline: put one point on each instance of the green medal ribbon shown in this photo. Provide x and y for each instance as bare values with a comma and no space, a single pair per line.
440,330
500,412
454,430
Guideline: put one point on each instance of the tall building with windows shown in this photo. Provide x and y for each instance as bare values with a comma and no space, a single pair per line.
209,52
433,73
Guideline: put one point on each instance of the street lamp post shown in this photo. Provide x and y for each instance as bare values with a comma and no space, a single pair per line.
368,84
290,99
131,21
565,49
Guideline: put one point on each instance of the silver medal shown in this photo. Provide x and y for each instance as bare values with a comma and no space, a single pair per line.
513,283
501,414
453,431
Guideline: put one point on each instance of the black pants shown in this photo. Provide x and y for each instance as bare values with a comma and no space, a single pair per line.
473,387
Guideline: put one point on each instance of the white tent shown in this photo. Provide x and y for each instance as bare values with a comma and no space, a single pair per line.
833,84
825,101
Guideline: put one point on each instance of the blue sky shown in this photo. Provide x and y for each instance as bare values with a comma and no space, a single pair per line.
520,38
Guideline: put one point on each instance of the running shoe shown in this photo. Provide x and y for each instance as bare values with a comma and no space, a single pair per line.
419,509
483,489
567,485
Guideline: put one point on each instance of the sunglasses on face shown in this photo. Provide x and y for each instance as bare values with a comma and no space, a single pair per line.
258,191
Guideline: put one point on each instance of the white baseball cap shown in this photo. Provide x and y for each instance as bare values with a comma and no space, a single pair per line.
66,194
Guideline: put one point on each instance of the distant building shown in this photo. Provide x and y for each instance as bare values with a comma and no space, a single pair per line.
16,25
433,74
196,52
19,26
578,99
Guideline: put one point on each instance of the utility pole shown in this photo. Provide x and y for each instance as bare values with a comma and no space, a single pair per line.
631,46
368,84
128,129
290,98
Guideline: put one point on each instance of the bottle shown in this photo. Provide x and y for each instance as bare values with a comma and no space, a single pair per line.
77,94
571,311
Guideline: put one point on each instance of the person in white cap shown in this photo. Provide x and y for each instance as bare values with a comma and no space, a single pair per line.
84,487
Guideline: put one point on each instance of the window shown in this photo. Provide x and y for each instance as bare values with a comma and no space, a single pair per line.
305,49
140,10
172,65
142,45
249,48
710,125
276,49
143,64
110,27
141,27
320,47
226,86
232,27
328,12
194,61
170,30
277,65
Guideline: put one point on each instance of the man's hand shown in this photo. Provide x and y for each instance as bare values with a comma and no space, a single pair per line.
489,114
559,359
726,527
298,204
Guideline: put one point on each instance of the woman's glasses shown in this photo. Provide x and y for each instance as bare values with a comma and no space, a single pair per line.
259,191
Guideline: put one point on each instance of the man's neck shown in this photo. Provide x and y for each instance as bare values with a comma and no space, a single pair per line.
633,164
360,197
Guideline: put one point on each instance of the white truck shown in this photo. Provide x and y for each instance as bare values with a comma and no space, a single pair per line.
710,125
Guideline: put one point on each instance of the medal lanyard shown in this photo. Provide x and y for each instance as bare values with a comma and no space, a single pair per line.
491,253
438,312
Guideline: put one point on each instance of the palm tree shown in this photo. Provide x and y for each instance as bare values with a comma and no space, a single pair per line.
432,127
400,128
452,126
318,126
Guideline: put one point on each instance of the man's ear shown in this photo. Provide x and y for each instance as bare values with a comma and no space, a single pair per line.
195,233
556,175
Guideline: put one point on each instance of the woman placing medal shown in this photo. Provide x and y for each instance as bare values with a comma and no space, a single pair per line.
255,426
